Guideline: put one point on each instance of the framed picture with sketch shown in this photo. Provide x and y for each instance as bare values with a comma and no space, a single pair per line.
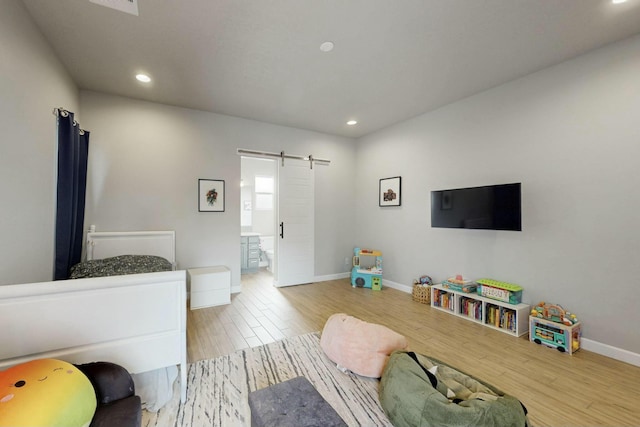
389,191
210,195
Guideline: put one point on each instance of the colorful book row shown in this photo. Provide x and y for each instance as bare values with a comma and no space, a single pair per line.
443,299
471,308
501,317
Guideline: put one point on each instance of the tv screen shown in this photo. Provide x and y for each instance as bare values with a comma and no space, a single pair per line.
493,207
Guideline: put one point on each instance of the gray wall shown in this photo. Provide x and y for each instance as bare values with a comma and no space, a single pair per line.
570,134
32,83
145,160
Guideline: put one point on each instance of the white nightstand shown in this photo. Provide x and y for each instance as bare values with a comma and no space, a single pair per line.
209,286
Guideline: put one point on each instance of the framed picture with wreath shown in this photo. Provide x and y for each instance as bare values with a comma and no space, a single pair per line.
210,195
389,191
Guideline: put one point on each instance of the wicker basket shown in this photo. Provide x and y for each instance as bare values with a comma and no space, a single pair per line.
421,293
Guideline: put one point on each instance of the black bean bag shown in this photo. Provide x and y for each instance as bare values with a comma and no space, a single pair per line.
118,404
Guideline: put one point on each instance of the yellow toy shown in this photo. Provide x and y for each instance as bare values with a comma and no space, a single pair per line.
46,392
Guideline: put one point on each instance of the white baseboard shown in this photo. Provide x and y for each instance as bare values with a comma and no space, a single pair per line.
398,286
332,277
585,343
610,351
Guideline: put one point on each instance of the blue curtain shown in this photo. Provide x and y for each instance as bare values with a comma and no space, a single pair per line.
73,150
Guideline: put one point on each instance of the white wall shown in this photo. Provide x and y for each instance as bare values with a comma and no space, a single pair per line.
570,134
145,160
32,83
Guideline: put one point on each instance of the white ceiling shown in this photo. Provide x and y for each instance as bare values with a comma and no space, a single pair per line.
261,59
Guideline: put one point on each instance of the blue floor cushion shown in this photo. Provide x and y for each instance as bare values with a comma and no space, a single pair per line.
292,403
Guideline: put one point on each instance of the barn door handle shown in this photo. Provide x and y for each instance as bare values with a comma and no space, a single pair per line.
282,230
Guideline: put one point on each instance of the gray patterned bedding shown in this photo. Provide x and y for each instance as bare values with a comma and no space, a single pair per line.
119,265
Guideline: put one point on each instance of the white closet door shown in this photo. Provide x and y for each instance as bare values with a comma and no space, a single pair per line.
295,238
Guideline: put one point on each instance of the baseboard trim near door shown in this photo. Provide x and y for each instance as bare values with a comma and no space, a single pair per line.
328,277
398,286
385,282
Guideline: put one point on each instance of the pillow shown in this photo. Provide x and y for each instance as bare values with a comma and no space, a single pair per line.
361,347
46,392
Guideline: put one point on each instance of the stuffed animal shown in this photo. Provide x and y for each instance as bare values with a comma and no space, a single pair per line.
425,280
46,392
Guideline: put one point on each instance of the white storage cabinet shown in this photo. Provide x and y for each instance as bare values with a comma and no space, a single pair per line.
209,286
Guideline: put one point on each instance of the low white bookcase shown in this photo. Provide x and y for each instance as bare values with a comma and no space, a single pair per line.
504,317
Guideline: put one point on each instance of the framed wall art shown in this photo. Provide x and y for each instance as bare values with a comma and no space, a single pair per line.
210,195
389,192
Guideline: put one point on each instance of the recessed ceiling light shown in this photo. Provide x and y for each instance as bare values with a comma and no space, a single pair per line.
326,46
352,122
618,1
143,78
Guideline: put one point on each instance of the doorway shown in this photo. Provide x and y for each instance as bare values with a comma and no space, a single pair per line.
277,219
257,215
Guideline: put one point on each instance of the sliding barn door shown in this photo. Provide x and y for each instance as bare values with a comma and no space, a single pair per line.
295,234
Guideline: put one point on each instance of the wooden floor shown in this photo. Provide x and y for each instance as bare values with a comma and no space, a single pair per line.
584,389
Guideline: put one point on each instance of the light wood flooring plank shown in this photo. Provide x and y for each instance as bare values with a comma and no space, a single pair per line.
558,389
254,341
235,336
271,328
245,329
263,335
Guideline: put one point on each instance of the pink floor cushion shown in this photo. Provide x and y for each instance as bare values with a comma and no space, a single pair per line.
359,346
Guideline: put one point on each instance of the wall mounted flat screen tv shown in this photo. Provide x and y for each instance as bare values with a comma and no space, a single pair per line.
493,207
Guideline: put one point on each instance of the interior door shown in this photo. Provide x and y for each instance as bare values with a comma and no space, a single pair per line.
295,238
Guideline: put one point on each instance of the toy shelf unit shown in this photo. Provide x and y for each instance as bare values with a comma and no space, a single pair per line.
564,338
366,271
502,316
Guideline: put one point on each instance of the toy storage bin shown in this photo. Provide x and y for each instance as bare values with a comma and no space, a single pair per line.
500,291
421,293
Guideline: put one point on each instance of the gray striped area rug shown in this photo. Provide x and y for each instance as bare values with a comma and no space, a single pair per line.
218,389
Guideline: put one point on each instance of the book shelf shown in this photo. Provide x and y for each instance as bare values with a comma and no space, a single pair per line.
511,319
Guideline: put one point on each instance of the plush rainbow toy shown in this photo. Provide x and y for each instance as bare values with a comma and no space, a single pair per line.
46,392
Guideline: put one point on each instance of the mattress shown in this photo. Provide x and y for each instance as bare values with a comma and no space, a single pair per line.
119,265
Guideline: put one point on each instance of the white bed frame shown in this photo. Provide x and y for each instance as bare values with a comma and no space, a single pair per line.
106,244
137,321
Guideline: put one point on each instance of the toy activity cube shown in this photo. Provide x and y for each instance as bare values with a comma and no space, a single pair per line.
367,269
556,335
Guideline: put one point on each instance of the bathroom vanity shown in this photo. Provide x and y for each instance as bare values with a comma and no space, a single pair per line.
250,252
